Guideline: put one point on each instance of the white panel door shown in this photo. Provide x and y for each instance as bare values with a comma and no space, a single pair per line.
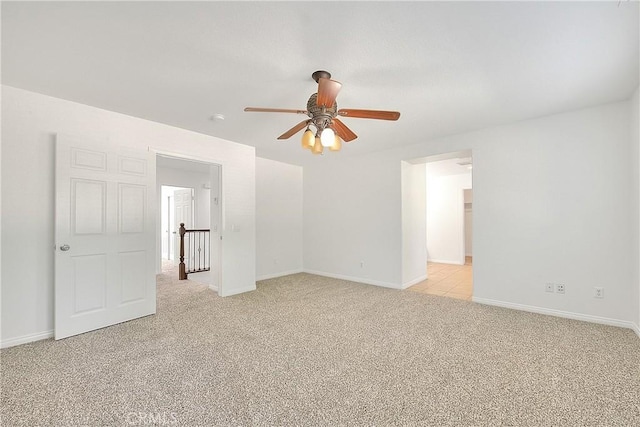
182,213
105,236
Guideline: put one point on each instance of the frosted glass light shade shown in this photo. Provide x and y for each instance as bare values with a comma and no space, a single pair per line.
337,144
327,137
308,139
317,147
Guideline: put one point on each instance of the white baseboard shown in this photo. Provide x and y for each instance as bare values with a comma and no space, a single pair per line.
558,313
238,291
280,274
414,281
214,288
636,329
445,261
11,342
355,279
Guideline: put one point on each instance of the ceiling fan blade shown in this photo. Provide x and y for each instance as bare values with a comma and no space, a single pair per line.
370,114
274,110
297,128
327,91
343,131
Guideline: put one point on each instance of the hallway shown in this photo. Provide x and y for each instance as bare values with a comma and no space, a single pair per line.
448,280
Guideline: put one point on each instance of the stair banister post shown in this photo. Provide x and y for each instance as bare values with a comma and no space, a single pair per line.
182,275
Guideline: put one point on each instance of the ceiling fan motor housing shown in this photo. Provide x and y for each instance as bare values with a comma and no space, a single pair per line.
321,116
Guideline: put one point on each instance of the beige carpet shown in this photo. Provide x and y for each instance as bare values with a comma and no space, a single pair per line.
307,350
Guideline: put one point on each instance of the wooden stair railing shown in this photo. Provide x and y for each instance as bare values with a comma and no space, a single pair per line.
198,251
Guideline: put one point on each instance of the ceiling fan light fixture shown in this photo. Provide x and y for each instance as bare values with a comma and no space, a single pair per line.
308,139
327,137
317,147
337,144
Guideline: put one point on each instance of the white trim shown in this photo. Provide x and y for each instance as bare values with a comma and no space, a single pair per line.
445,261
558,313
280,274
414,281
355,279
214,288
636,329
185,156
239,291
11,342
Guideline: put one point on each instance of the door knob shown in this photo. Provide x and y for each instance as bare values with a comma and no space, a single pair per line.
65,248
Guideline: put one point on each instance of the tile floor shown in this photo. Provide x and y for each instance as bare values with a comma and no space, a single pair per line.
448,280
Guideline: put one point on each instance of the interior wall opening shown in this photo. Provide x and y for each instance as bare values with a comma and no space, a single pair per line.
447,215
189,194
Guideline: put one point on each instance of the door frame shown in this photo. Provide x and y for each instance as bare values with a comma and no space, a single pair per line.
214,207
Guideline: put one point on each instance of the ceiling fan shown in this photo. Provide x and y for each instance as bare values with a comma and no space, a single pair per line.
323,113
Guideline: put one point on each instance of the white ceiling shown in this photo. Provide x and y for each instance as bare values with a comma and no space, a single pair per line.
449,167
447,67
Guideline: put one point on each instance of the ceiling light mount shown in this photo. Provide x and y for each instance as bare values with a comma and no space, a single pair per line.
320,74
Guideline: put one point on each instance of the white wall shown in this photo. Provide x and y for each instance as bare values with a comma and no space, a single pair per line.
278,218
353,219
445,217
635,198
468,222
1,181
551,204
414,234
30,122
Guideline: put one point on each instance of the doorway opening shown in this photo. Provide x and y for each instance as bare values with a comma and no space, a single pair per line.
448,225
189,194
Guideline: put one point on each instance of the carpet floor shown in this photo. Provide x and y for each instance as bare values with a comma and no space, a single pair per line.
308,350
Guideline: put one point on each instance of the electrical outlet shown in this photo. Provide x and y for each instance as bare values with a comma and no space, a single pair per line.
559,288
548,287
598,292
